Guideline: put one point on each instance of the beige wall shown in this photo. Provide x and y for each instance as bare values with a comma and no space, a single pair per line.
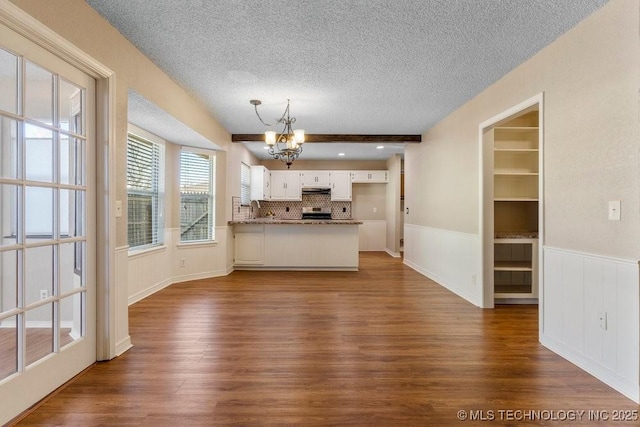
367,197
81,25
590,80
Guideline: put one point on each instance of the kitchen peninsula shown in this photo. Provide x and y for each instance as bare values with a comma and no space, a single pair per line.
296,244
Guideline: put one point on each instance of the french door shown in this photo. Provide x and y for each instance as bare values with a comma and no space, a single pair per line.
47,222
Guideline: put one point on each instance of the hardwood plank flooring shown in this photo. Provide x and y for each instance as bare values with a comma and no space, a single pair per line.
382,346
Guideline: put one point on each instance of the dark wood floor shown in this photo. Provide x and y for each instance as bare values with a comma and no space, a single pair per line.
382,346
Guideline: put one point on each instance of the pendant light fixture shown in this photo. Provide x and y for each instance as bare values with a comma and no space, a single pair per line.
287,145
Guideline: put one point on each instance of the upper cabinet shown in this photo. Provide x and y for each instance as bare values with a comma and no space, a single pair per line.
285,185
370,177
288,185
260,183
341,186
315,179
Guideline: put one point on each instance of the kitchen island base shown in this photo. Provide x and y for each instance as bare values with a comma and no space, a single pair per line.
297,246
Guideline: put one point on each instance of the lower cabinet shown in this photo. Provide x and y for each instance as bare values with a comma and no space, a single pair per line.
515,268
249,245
296,246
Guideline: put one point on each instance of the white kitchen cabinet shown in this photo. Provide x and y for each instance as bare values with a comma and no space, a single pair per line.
370,177
260,183
249,244
315,179
285,185
340,186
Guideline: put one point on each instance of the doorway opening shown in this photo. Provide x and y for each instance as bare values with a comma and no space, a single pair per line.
512,220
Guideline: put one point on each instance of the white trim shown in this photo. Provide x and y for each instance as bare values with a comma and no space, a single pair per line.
603,374
487,289
628,262
199,276
196,244
23,23
149,291
196,150
123,345
145,135
392,253
134,253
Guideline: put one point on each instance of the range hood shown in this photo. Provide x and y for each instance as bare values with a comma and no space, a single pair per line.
316,190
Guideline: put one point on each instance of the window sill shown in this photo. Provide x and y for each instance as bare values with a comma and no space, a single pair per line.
199,244
135,253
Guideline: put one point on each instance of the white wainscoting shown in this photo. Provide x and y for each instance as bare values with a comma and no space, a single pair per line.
448,257
153,270
372,235
578,289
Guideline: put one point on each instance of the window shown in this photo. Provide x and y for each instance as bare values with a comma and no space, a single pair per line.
145,175
197,195
245,184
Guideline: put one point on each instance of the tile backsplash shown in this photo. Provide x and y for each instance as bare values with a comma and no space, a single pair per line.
290,209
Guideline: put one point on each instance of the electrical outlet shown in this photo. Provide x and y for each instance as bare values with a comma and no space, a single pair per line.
602,318
44,294
183,263
473,279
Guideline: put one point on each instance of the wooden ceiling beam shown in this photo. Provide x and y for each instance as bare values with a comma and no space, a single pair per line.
259,137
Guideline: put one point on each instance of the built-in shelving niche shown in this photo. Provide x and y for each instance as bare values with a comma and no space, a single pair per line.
512,200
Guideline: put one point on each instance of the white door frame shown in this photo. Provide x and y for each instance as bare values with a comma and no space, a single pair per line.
486,250
27,26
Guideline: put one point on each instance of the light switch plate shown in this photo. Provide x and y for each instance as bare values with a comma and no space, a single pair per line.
118,208
614,210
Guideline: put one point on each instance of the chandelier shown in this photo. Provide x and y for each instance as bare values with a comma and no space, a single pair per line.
286,146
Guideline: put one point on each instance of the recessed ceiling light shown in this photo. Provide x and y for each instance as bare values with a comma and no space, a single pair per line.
340,154
380,147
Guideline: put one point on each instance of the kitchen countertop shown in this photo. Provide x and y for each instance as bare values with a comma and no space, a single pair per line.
516,235
297,221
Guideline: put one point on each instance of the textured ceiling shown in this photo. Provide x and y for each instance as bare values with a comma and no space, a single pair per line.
349,67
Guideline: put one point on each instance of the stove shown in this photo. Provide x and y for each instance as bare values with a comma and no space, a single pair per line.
316,213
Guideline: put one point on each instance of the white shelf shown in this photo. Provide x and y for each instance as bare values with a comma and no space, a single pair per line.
512,266
523,128
514,199
514,173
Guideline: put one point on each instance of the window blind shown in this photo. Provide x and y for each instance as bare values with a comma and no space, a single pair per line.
197,196
143,191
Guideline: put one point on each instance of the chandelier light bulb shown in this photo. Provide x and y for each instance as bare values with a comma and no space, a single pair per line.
299,136
270,137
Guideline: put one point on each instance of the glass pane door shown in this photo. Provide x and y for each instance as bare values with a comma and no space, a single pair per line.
47,243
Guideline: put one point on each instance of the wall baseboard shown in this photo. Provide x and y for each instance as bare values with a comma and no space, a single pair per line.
123,345
199,276
603,374
392,253
149,291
